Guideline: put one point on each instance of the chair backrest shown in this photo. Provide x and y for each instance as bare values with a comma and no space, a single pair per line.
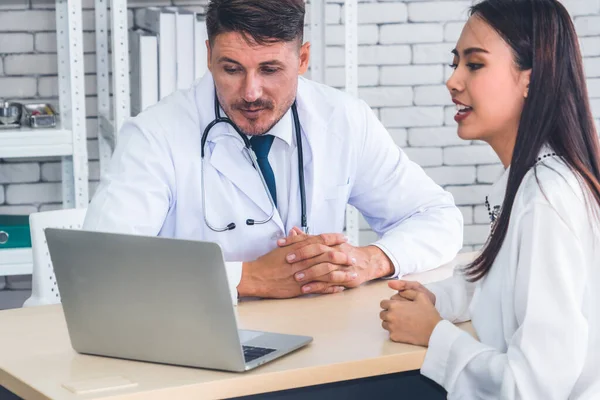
43,288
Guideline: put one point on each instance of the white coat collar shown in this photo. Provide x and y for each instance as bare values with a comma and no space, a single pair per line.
313,112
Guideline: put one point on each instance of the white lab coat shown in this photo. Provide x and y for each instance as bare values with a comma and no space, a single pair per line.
153,183
536,313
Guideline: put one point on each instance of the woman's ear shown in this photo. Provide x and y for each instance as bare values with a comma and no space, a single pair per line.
526,78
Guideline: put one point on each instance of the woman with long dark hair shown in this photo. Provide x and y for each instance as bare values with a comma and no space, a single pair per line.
533,293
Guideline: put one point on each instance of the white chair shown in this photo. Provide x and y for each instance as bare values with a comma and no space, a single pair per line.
43,288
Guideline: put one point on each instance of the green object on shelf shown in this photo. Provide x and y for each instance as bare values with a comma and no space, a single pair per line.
14,232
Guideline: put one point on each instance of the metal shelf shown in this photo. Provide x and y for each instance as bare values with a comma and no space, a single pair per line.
119,107
27,142
68,141
16,262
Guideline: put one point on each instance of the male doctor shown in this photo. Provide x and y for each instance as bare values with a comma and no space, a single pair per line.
159,184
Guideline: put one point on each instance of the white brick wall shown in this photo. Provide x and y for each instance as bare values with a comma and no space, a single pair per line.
379,13
387,96
436,95
592,67
411,33
412,75
384,55
588,26
452,175
404,48
16,43
438,11
412,116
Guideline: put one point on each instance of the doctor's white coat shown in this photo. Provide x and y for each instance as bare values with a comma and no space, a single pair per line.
153,183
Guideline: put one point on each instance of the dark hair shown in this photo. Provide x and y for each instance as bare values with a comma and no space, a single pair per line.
556,111
263,21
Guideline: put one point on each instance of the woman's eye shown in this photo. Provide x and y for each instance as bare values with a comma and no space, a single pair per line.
453,65
474,67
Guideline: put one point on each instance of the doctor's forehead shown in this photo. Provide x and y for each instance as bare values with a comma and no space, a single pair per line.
234,46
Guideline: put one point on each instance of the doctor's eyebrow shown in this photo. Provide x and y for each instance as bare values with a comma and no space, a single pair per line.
262,64
272,62
229,60
470,50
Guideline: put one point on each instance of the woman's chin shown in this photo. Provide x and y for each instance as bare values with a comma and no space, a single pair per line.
467,134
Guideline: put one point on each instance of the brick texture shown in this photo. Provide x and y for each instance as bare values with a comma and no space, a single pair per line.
404,48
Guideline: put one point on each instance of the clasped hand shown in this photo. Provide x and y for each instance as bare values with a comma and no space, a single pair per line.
410,315
303,264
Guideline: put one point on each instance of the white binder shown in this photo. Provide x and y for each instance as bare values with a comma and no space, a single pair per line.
162,22
184,28
143,48
201,53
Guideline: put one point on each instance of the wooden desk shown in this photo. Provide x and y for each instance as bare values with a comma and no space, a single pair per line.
37,361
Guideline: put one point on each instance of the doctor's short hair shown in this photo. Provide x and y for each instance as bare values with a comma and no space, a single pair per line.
260,21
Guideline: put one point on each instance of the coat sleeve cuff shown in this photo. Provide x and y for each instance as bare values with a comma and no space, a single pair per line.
440,345
234,276
442,300
393,259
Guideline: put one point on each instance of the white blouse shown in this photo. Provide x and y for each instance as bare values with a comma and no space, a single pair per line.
536,313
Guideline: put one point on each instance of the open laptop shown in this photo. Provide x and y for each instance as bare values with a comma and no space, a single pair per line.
155,299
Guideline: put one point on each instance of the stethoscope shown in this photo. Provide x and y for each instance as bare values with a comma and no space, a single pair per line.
247,147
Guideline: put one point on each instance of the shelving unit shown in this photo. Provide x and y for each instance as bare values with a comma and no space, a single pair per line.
27,142
113,113
68,140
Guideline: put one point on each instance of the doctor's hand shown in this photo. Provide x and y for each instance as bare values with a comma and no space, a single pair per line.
344,265
409,316
272,276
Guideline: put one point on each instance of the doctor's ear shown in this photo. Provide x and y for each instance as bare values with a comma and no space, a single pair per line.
304,58
208,55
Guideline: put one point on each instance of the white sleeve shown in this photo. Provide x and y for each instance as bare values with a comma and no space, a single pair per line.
453,297
234,276
419,226
547,352
136,192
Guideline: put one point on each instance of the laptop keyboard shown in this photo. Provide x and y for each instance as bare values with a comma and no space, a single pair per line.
252,353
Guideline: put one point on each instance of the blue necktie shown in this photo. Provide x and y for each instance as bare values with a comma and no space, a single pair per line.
261,146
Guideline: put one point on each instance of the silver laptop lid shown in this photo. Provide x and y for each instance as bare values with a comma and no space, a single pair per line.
146,298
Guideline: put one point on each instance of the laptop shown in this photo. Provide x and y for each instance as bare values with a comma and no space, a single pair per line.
155,299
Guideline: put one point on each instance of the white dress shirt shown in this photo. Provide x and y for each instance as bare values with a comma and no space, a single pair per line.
280,157
536,312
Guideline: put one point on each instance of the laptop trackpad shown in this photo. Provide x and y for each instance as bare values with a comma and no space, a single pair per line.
246,336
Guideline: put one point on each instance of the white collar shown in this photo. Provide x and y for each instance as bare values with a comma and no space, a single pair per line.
495,197
283,128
